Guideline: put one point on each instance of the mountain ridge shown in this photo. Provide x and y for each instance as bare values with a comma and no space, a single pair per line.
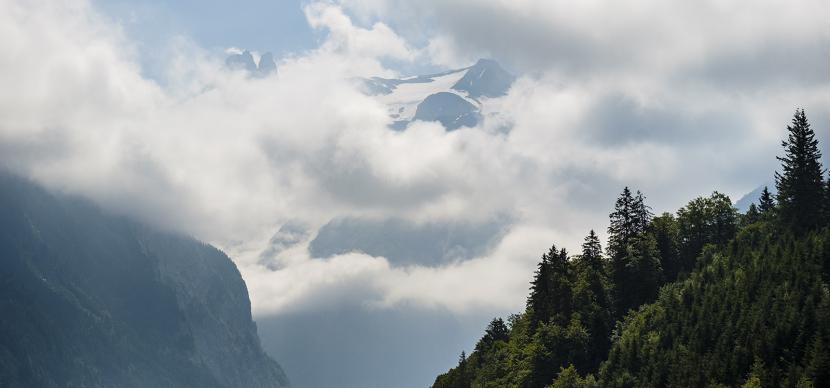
455,98
95,300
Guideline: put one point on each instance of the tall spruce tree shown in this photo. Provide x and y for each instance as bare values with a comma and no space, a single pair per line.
766,204
800,183
752,215
621,228
641,214
497,330
550,290
592,300
646,272
826,208
593,272
592,253
620,234
665,231
538,306
591,276
561,300
464,376
634,262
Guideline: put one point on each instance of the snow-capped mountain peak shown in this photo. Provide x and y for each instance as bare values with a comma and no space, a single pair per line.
454,98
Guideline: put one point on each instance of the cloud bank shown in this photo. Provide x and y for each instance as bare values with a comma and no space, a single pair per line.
610,95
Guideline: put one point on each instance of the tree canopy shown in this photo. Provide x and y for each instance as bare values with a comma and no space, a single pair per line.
705,297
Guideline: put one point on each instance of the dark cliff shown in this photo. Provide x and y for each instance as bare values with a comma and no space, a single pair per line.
89,299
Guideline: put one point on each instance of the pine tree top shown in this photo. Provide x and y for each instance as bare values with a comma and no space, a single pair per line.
766,203
630,219
592,250
800,183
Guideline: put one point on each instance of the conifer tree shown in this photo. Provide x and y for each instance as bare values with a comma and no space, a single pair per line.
818,358
561,305
592,253
550,290
693,232
752,215
766,204
496,331
592,275
641,214
646,273
826,208
621,228
800,183
664,229
634,261
594,304
754,311
464,374
620,233
538,300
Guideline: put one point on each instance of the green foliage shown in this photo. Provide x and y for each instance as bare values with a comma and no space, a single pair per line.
550,290
623,224
800,184
591,299
641,276
704,220
570,378
706,298
554,345
634,261
752,307
766,205
496,331
752,216
752,382
753,312
665,230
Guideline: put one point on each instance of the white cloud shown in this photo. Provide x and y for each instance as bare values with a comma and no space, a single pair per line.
613,96
234,50
615,37
344,37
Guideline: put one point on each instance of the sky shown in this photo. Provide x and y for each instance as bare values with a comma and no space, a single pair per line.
279,27
130,104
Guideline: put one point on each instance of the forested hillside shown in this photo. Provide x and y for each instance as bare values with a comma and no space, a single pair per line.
705,297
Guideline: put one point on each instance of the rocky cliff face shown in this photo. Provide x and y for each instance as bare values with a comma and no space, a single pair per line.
93,300
245,61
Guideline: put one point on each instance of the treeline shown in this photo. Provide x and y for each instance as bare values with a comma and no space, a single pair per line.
705,297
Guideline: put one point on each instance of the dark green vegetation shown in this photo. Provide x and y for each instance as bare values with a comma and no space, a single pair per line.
92,300
706,297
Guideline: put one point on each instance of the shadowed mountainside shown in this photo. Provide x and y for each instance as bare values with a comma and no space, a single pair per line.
94,300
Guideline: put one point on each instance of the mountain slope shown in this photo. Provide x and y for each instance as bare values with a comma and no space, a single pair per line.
455,98
756,311
95,300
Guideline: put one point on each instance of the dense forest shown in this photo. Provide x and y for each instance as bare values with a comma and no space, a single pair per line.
705,297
